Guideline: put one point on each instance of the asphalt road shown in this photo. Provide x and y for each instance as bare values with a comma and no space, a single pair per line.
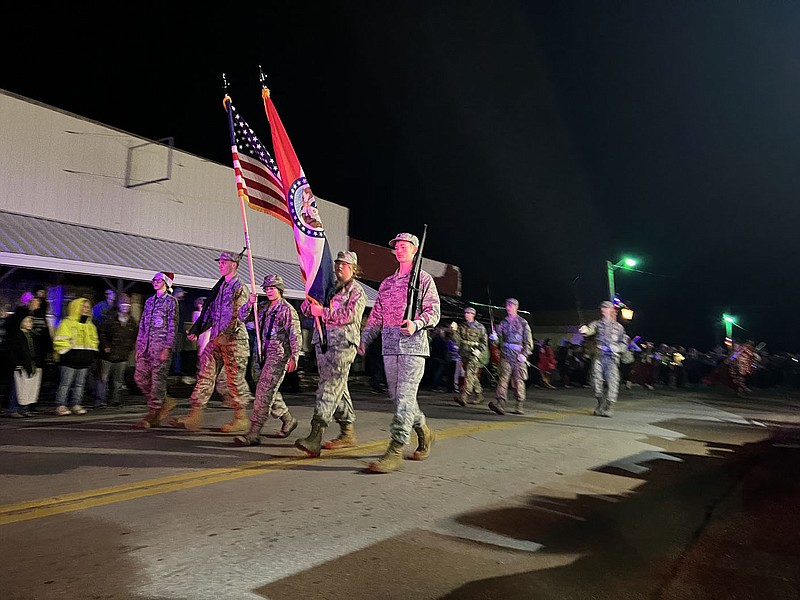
683,494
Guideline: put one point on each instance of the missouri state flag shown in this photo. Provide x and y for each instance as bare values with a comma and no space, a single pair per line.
313,251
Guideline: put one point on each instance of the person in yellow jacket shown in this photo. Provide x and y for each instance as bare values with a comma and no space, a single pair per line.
76,344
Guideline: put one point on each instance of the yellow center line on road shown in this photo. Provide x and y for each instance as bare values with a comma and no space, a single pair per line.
45,507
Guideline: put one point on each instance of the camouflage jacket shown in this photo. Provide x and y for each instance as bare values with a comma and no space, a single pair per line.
608,337
224,311
469,337
281,337
343,318
387,315
158,324
514,337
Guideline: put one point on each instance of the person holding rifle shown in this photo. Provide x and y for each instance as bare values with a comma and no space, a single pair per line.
408,304
471,339
513,336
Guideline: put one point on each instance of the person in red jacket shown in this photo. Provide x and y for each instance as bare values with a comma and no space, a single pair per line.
547,363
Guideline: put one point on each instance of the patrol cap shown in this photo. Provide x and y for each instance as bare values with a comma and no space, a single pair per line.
230,256
405,237
513,301
469,310
347,256
607,304
275,281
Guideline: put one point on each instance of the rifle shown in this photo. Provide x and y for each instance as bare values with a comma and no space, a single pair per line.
494,349
412,297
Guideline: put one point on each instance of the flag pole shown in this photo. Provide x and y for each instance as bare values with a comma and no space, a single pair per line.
242,197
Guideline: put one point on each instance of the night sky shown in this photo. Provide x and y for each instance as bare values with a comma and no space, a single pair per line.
537,140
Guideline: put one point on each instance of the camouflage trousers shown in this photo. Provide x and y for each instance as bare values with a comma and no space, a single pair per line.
333,396
516,374
472,380
150,376
269,401
605,373
232,357
403,374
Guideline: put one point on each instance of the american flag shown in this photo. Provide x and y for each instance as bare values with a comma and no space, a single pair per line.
257,175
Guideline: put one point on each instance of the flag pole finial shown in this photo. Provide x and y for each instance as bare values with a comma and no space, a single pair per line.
263,79
227,99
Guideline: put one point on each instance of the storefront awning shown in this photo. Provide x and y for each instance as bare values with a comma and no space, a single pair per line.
45,244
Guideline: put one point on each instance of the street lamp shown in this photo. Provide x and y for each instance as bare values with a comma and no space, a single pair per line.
624,263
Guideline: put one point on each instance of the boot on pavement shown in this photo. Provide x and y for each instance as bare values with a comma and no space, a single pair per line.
149,420
312,445
346,439
191,422
289,425
518,410
166,408
495,407
238,423
425,439
391,460
251,438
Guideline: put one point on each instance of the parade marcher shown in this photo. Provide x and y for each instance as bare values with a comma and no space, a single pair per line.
118,335
280,340
342,321
227,349
405,346
154,347
609,339
472,343
76,343
515,339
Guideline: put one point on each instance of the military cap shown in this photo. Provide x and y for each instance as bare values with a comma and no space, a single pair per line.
513,301
607,304
470,310
347,256
405,237
275,281
231,256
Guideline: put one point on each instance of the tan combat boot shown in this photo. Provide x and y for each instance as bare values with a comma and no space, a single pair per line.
166,408
312,445
392,459
425,439
518,410
289,425
149,420
191,422
251,438
238,423
346,439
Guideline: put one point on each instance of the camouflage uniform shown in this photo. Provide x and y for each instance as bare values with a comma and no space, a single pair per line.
157,329
228,347
514,337
609,342
280,339
471,340
403,356
343,323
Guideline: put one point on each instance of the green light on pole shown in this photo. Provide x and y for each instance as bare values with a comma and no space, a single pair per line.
626,262
729,321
